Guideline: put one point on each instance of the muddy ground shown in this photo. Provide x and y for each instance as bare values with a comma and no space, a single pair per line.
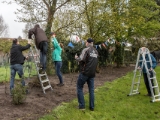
38,104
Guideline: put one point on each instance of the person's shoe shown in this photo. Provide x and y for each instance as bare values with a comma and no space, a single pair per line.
91,109
82,109
39,65
27,92
147,95
60,84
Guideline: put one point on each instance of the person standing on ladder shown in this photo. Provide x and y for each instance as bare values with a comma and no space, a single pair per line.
41,42
150,68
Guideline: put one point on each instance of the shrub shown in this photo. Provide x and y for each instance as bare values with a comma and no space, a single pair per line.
19,94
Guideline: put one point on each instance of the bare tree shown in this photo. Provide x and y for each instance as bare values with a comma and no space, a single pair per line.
3,27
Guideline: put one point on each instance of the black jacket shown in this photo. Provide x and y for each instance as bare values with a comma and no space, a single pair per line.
88,61
16,56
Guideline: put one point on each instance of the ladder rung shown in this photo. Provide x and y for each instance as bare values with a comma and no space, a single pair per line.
153,78
43,81
47,87
137,83
42,74
140,60
157,95
138,76
155,86
135,91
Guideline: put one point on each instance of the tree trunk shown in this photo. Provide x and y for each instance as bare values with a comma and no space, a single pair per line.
49,53
118,54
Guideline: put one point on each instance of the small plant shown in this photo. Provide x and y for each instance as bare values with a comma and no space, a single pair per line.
19,94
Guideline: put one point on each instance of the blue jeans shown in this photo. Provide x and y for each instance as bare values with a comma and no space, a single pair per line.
13,69
82,79
43,54
58,65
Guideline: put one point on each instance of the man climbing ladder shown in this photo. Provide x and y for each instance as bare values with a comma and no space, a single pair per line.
145,64
43,78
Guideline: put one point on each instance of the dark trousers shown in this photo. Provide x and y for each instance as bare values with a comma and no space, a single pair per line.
147,82
43,54
82,79
58,65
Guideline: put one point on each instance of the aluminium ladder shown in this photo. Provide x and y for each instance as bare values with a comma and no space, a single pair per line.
43,78
138,73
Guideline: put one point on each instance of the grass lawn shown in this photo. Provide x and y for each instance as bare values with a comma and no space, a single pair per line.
112,103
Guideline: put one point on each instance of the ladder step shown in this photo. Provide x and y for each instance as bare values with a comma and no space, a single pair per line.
42,74
155,86
140,60
43,81
47,87
138,76
157,95
137,83
135,91
153,78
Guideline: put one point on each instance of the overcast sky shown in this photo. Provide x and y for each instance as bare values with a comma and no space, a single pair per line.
7,12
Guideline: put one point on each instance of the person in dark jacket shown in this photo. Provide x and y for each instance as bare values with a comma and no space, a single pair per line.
41,42
88,61
16,61
149,69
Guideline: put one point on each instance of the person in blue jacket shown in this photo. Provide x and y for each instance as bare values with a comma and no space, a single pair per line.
150,68
56,57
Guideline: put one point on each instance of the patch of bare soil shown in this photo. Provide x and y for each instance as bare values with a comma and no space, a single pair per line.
38,104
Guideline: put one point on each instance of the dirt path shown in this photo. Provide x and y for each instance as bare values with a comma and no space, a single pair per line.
38,104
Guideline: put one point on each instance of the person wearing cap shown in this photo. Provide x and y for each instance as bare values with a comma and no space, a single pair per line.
57,59
88,61
16,62
41,42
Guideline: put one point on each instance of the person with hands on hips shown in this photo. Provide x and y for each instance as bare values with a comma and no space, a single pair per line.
57,59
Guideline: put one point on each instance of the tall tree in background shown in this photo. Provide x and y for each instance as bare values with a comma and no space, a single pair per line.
116,27
144,18
3,28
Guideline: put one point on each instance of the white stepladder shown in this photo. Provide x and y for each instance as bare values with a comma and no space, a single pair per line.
138,73
43,78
